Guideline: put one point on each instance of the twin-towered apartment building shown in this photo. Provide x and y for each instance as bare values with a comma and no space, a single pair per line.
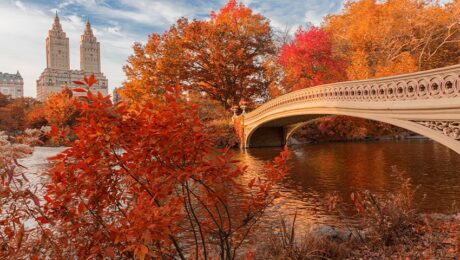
58,73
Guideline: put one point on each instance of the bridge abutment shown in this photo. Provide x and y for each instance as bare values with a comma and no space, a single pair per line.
268,137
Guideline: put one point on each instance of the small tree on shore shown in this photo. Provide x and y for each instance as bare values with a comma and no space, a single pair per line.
147,182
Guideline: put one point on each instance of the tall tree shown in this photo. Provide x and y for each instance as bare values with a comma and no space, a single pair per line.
308,60
379,38
223,57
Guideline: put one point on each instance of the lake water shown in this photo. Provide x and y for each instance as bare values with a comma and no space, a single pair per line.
321,169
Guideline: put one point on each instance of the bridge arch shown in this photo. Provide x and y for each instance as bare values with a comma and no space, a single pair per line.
427,103
281,133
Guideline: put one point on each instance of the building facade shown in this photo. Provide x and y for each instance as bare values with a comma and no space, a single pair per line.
11,85
58,73
116,97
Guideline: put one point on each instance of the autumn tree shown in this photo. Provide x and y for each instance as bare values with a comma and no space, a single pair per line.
380,38
223,57
154,66
60,110
308,60
36,117
13,113
146,181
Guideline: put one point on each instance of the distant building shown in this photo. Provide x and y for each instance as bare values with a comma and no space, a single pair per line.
58,73
116,95
11,85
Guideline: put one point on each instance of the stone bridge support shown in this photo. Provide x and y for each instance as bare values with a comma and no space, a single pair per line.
273,136
269,137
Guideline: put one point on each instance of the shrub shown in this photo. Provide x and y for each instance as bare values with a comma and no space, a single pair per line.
147,181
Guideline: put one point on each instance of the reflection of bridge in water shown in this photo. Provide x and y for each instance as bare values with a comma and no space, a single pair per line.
427,103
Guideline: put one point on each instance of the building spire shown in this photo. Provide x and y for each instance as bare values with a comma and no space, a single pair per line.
88,29
57,23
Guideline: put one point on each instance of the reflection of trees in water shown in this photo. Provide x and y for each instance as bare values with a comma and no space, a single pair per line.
320,169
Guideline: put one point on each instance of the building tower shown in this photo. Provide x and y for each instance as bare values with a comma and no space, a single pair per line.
57,47
90,51
58,73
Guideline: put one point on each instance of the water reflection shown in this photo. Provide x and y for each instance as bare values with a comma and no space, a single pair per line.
320,169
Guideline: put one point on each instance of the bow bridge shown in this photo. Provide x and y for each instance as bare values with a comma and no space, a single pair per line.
427,103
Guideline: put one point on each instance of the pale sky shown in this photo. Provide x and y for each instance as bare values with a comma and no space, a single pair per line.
117,24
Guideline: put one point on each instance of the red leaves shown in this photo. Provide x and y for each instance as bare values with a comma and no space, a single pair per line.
81,207
110,252
54,131
357,201
90,81
78,83
134,176
79,90
308,60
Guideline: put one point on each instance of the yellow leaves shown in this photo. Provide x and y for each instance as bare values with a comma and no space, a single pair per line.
405,63
359,68
381,38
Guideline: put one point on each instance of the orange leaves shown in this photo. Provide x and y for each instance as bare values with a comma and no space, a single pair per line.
221,57
60,110
140,252
148,174
376,40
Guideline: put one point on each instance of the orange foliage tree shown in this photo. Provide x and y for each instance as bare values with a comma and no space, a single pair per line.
13,113
223,57
60,110
36,117
380,38
147,182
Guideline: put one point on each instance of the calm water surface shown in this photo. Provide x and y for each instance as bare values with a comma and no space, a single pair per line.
320,169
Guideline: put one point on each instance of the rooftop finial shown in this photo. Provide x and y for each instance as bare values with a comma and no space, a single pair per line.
57,24
88,30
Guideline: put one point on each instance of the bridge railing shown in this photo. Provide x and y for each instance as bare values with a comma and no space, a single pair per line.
430,84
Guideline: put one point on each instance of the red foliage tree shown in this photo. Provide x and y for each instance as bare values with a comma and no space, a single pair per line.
309,61
146,181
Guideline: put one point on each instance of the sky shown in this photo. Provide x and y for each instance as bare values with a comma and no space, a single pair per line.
118,24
